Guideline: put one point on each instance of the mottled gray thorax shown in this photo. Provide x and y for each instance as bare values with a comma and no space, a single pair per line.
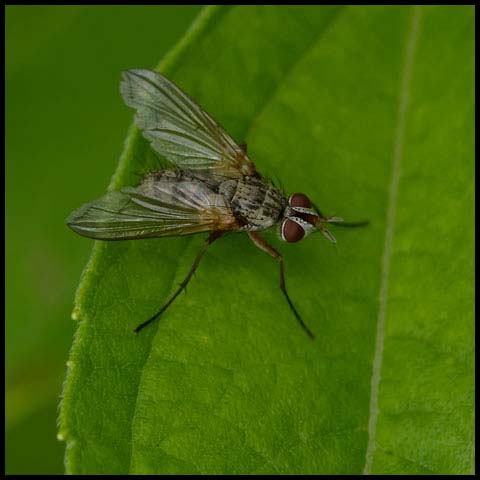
258,204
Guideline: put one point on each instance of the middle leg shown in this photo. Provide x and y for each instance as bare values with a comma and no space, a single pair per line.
213,236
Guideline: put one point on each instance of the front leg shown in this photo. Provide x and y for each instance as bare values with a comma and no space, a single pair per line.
266,247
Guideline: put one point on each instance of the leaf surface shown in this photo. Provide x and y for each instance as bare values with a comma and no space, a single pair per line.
369,111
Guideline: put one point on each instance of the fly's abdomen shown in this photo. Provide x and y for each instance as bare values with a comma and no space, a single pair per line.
182,188
255,202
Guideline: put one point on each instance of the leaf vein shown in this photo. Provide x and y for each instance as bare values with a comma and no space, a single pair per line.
410,47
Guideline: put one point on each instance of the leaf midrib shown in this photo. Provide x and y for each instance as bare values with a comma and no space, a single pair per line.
411,42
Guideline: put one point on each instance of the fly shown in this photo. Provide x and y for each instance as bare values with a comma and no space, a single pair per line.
214,187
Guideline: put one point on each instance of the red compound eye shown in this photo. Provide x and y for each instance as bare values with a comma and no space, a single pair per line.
300,200
291,231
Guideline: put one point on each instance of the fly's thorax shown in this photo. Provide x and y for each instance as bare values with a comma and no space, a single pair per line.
256,203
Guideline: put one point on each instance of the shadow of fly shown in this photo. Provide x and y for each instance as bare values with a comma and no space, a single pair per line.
214,187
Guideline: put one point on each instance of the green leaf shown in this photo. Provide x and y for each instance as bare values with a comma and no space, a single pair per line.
370,111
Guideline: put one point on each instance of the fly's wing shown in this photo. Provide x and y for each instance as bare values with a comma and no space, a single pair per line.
164,209
181,130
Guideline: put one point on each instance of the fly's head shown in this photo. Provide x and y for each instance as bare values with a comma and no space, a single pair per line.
301,218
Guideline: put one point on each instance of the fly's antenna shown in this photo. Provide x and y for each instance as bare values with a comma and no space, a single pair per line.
320,225
339,221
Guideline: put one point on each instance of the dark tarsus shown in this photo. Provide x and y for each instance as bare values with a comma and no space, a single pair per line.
213,236
266,247
263,245
363,223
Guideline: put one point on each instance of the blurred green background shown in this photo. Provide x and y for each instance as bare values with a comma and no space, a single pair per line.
65,126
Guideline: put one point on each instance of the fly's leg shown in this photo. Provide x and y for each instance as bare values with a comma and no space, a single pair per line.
339,221
213,236
243,146
263,245
363,223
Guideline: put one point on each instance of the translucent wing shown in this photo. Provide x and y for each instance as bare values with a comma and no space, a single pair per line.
179,129
154,209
